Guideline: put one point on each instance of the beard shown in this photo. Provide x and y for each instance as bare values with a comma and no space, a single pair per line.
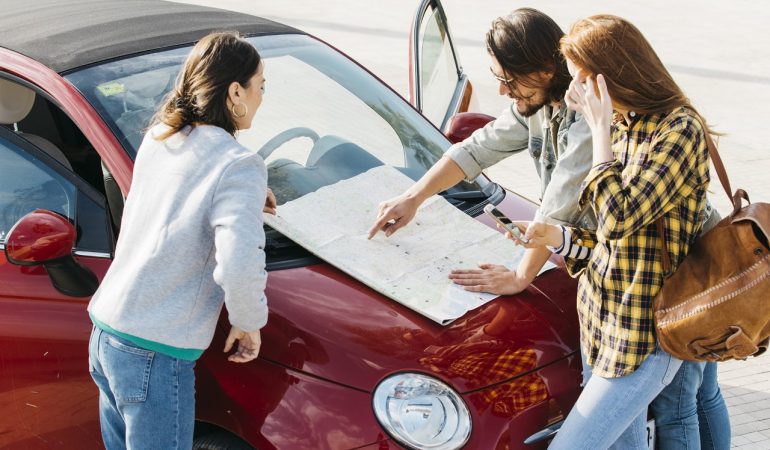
530,107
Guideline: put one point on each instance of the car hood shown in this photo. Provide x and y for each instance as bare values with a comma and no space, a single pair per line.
326,324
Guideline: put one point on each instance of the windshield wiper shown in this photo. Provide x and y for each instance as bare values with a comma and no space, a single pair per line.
473,202
464,195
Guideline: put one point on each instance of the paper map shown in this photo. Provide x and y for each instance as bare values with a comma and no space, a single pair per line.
411,266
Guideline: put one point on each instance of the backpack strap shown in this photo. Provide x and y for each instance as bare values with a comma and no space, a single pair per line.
724,180
720,168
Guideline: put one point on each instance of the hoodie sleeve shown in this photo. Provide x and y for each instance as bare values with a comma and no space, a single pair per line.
239,240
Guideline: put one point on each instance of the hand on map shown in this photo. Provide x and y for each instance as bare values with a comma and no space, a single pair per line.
394,214
492,278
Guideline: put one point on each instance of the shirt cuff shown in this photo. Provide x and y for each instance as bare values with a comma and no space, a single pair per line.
570,248
565,236
465,160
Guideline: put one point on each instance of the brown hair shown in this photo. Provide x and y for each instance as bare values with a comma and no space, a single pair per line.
201,90
635,76
526,41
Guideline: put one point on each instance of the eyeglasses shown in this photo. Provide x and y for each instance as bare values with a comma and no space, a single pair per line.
510,83
501,79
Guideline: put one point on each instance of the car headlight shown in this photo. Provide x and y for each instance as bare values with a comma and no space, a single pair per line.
422,412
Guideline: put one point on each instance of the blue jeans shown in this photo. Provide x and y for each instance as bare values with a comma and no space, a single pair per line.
676,410
714,419
690,413
612,412
146,399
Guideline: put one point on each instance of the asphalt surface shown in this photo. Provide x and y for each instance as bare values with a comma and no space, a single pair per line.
718,52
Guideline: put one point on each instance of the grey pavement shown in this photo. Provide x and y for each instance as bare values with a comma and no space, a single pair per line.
719,53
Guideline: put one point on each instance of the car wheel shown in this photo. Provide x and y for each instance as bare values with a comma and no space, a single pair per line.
220,440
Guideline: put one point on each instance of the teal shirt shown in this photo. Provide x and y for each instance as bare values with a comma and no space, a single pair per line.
188,354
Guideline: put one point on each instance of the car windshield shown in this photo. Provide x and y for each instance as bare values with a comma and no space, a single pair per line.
323,118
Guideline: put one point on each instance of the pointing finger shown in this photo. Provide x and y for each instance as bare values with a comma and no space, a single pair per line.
379,225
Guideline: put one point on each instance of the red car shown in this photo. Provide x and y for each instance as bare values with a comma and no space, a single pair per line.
342,366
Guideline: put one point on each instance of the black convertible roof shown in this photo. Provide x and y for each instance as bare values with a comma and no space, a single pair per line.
67,34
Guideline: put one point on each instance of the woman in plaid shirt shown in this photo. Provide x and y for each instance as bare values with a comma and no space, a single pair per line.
650,161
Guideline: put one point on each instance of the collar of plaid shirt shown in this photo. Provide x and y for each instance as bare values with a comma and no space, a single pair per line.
660,170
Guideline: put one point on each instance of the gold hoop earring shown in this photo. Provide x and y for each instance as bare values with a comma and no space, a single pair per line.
235,114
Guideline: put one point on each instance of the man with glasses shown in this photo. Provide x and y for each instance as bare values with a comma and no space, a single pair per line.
524,49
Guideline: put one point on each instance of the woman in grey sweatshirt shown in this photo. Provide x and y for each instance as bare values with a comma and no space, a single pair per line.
191,239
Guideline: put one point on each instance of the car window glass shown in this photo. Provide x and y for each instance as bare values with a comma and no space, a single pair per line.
323,117
128,92
319,103
438,72
26,184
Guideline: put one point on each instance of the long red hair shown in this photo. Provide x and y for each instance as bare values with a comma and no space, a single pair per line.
636,78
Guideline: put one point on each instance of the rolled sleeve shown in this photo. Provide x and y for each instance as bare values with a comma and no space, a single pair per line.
499,139
460,155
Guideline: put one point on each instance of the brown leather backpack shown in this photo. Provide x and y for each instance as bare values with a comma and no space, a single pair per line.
716,306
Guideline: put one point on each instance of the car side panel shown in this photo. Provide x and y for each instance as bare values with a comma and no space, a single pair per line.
47,397
273,407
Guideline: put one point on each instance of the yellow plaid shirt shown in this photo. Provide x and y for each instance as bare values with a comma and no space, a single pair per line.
661,168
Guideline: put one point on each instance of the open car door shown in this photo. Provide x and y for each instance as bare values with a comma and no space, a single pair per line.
438,87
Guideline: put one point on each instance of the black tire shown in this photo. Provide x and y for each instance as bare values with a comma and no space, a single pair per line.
220,440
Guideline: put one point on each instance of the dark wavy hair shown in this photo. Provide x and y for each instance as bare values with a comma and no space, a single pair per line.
200,93
526,41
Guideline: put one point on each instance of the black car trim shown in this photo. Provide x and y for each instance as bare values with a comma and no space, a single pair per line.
294,263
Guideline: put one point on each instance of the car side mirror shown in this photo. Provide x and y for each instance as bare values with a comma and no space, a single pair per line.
44,237
462,125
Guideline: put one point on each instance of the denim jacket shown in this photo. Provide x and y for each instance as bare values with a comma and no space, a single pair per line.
561,167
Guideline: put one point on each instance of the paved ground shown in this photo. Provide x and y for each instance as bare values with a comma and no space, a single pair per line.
719,52
746,387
